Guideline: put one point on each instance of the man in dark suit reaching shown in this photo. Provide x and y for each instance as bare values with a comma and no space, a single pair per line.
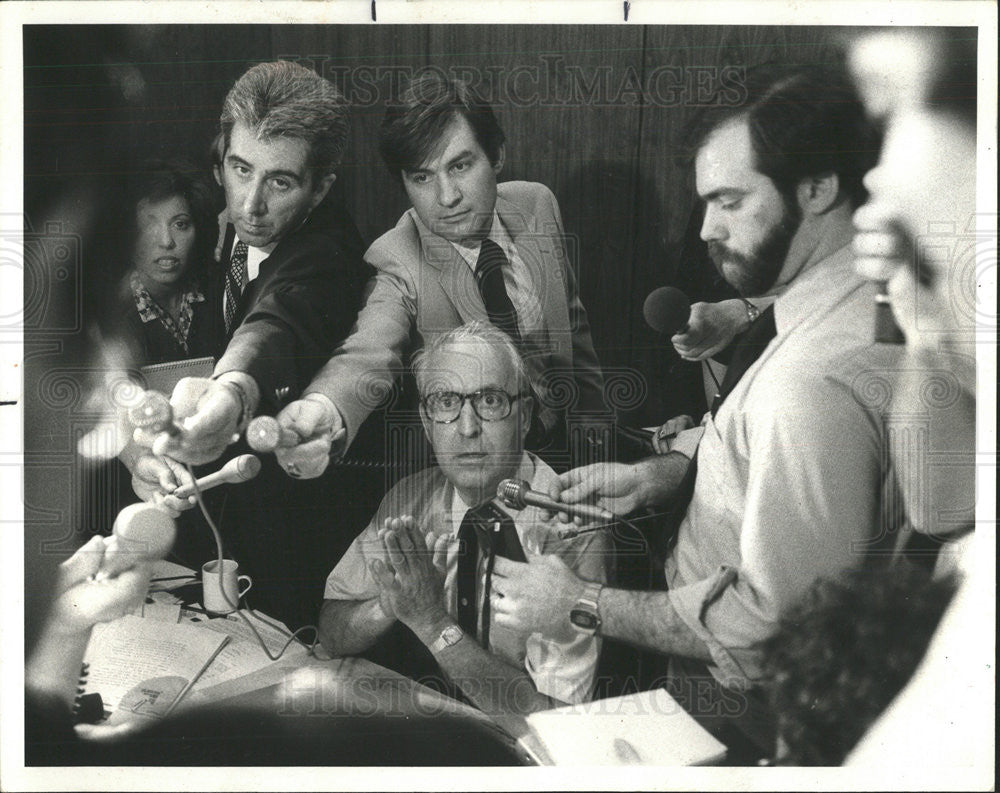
293,282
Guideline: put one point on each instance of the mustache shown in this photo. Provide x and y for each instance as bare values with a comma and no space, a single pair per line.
720,253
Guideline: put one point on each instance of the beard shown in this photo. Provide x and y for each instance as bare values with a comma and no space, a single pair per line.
755,273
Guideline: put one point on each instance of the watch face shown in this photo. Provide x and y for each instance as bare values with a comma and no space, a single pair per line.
584,619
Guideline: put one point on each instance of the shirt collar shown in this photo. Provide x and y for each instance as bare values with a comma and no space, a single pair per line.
497,233
458,508
823,285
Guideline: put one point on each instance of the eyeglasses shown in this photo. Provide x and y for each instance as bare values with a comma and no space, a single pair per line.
490,404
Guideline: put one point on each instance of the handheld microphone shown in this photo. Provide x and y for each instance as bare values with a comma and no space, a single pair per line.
239,469
142,532
516,494
265,435
154,413
667,310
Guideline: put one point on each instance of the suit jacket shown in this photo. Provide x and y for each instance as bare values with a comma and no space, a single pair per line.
423,287
301,305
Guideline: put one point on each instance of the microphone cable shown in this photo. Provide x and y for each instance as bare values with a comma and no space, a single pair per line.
292,636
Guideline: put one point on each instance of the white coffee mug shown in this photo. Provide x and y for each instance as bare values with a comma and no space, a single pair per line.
212,598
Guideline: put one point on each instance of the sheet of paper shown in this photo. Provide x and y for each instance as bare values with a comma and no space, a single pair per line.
650,728
141,667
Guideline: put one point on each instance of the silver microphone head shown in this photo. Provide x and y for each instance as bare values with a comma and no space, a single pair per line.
247,466
511,492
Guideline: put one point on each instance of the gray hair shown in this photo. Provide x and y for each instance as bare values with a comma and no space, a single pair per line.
285,99
476,331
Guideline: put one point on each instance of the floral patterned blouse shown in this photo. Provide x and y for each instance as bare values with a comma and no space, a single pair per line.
151,311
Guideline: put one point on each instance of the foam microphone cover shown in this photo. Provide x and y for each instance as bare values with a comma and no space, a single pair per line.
666,310
142,532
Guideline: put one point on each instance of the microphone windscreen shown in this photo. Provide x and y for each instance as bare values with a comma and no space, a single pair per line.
264,434
146,530
247,466
666,310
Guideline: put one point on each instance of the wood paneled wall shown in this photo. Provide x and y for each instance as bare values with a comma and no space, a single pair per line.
593,112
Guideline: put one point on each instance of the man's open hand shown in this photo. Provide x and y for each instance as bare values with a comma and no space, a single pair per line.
412,585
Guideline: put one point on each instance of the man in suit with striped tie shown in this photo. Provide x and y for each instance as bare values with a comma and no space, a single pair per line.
468,249
294,275
292,255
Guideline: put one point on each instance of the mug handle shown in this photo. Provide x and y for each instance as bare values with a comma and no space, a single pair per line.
249,581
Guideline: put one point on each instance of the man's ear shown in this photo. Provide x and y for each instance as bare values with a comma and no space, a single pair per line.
501,158
819,194
525,414
426,422
322,188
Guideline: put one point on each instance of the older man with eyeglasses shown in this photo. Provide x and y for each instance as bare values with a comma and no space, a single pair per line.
426,558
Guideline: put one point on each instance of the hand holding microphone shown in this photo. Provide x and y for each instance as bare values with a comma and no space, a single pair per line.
303,436
199,421
516,494
239,469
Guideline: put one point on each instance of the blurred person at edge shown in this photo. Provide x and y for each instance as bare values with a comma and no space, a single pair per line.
923,86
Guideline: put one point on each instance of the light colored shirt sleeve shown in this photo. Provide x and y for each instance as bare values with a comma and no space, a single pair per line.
351,578
565,670
812,500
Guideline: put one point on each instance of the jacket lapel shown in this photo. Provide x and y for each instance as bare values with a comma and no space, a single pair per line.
452,274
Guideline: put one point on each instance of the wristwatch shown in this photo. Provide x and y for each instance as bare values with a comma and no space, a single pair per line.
584,614
752,311
449,637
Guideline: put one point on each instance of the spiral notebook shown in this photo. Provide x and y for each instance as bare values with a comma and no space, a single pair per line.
142,668
163,377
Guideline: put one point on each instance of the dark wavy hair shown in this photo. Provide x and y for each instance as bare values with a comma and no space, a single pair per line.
804,121
157,180
844,652
415,121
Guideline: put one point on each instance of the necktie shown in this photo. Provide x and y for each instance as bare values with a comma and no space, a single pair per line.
746,351
489,276
490,528
236,281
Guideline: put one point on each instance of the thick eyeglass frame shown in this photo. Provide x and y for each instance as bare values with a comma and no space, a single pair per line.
473,398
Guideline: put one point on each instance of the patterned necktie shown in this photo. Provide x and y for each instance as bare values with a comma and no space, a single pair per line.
490,528
747,350
236,281
489,276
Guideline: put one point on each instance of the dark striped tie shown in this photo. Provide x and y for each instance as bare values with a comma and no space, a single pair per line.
489,276
236,281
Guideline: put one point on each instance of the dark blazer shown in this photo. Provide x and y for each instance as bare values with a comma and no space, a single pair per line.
287,533
302,304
